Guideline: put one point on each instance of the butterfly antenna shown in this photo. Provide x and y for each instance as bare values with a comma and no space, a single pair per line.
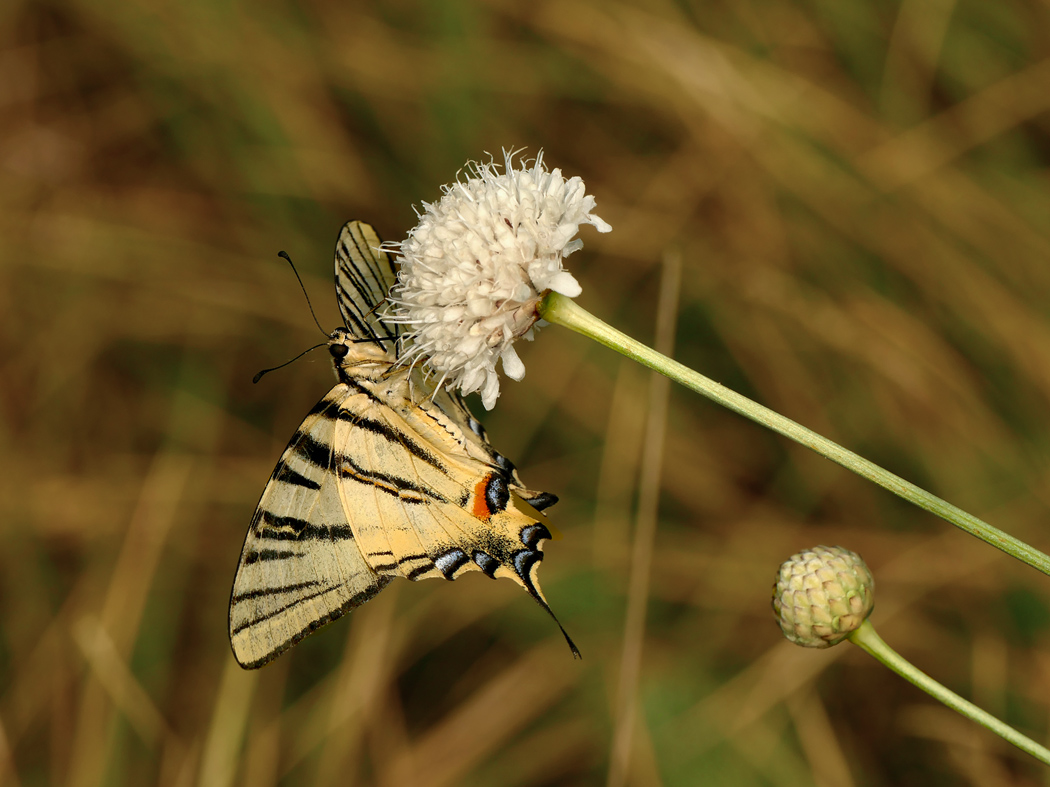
259,376
312,314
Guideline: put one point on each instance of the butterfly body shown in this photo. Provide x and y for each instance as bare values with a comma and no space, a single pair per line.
384,478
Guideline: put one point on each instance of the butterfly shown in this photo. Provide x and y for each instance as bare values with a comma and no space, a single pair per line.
383,479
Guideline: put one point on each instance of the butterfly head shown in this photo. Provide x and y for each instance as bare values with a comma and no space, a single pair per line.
349,351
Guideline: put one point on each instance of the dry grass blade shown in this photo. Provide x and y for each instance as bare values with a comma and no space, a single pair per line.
498,710
124,691
645,528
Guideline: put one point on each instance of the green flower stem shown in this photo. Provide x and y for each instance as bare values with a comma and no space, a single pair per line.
564,311
868,639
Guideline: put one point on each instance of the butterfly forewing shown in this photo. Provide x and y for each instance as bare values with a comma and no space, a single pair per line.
300,566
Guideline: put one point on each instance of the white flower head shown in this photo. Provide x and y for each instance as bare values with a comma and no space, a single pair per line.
475,267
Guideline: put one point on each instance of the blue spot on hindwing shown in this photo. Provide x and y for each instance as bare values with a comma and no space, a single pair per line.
450,562
486,563
532,534
497,494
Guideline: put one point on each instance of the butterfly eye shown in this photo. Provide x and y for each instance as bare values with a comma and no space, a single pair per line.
338,351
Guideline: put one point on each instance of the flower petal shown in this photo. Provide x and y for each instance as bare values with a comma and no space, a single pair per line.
512,365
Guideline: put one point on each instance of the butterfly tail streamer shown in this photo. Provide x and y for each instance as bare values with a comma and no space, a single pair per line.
572,645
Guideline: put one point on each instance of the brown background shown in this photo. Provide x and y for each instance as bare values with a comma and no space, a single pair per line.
859,195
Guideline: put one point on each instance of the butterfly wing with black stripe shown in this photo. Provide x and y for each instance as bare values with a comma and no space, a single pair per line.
428,499
477,445
300,566
364,274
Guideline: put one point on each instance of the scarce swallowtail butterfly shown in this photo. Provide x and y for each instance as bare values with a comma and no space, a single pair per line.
383,479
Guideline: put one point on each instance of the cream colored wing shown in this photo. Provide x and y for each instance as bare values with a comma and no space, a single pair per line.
421,505
363,276
476,443
301,566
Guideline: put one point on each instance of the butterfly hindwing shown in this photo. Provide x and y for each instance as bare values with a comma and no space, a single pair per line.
444,500
476,443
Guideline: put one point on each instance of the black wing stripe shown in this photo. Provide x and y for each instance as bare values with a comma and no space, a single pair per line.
378,265
329,402
402,488
357,295
417,572
289,476
355,324
394,436
279,528
406,559
363,275
263,592
361,272
330,532
289,528
264,555
281,610
312,451
365,280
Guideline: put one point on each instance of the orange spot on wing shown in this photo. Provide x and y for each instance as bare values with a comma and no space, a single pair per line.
481,506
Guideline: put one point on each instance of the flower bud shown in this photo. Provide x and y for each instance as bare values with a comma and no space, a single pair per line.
821,595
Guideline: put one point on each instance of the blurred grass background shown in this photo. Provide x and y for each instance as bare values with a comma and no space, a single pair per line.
860,193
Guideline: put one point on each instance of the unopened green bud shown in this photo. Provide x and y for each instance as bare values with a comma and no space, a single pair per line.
821,595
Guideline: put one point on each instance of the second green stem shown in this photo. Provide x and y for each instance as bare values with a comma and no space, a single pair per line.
867,638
